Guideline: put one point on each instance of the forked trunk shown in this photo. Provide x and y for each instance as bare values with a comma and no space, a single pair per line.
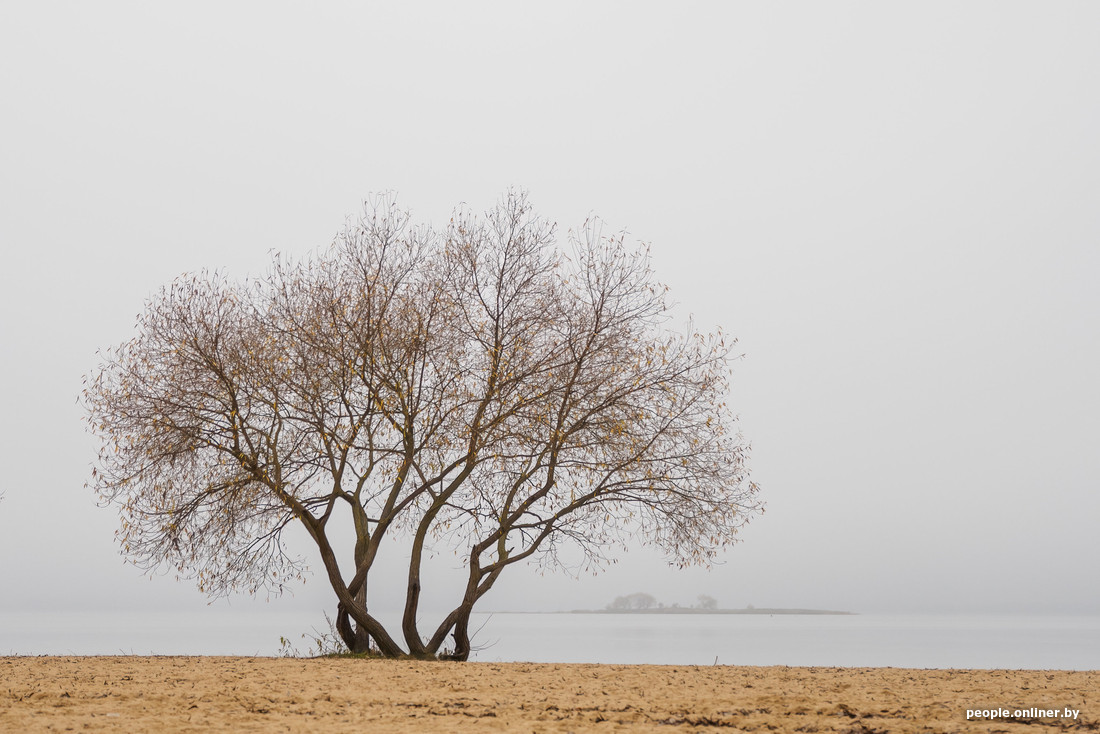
461,651
353,635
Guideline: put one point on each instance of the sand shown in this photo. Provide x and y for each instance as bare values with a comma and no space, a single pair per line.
201,694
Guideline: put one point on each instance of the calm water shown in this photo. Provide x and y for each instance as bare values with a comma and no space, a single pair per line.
860,640
1037,642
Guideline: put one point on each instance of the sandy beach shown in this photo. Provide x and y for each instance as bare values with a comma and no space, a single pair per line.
193,694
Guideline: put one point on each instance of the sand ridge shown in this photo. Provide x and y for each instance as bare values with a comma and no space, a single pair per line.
192,694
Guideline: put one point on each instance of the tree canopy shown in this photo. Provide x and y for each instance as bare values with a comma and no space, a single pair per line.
479,386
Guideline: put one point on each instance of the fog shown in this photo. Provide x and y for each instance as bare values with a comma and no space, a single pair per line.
892,206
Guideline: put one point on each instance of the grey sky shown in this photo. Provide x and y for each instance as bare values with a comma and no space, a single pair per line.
894,206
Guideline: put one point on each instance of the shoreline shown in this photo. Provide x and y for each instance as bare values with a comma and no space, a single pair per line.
217,693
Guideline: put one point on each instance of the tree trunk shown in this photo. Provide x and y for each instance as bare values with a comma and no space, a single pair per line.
354,636
344,628
362,637
408,620
462,636
412,593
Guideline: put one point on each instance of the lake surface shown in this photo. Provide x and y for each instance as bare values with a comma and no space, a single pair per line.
917,641
910,641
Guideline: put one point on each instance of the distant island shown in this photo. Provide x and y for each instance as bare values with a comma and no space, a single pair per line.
697,610
643,603
687,610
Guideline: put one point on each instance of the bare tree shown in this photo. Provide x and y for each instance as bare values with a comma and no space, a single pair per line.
475,387
707,602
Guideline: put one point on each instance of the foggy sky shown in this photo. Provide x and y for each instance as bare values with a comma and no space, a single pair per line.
894,207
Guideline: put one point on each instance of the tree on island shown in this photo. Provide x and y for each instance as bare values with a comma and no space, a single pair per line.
405,389
707,602
639,600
